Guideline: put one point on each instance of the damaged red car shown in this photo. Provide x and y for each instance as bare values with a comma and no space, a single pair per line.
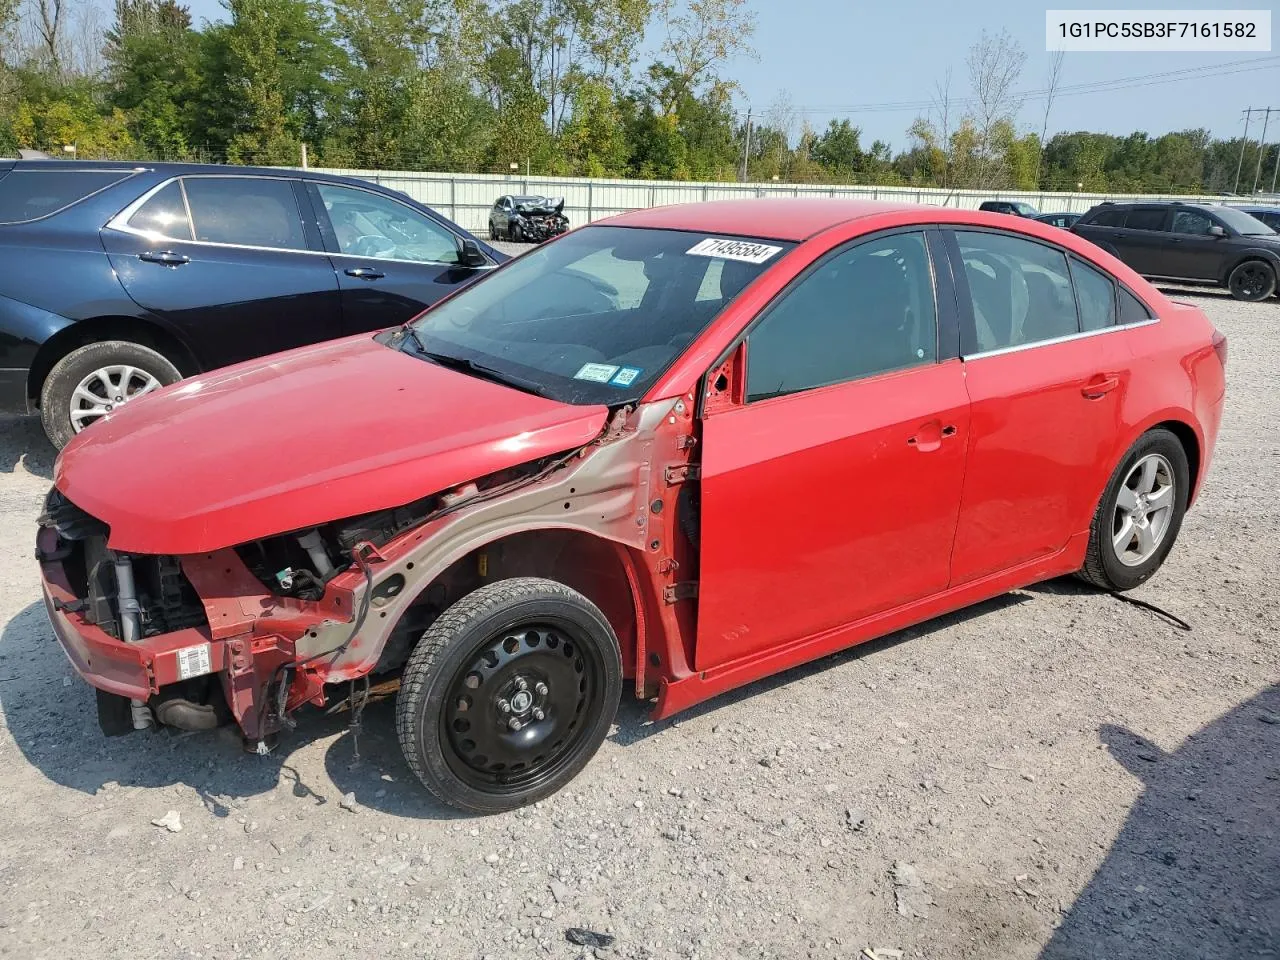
678,450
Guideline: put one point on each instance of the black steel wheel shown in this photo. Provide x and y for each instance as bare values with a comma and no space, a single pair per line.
1252,281
509,694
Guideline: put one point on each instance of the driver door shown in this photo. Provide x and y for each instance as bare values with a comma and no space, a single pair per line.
391,260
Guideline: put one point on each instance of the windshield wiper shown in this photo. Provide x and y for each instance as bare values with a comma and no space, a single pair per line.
483,372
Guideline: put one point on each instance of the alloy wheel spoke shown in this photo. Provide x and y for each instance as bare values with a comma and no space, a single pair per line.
1146,537
1124,537
1127,499
1150,467
1161,499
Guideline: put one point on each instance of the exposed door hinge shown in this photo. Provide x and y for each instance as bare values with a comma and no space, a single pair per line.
667,564
680,591
681,473
686,441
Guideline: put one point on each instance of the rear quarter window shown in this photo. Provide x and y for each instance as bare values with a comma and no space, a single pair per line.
27,195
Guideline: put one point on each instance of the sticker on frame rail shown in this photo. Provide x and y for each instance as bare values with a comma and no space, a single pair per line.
745,250
596,372
193,661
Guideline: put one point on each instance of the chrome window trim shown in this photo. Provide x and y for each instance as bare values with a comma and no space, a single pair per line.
120,222
1016,348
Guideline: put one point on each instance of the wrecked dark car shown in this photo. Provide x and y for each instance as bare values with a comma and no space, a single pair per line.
532,219
659,452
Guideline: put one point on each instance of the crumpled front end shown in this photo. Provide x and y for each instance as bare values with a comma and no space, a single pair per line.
183,641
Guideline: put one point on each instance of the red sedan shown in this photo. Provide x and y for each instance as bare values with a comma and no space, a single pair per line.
686,447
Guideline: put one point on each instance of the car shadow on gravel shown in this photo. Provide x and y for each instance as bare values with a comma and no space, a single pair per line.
22,442
1195,871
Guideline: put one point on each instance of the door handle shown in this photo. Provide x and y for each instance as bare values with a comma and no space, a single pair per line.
364,273
930,436
1098,388
167,257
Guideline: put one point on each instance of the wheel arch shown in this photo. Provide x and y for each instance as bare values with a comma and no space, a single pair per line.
98,329
1244,256
601,569
1182,426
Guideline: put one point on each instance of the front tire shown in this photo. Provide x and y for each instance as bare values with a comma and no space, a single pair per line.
92,381
509,694
1252,281
1140,514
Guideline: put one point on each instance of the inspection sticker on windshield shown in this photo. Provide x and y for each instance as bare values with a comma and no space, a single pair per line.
193,661
596,372
625,377
743,250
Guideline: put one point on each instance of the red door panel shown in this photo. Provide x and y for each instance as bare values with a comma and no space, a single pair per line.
1045,423
827,506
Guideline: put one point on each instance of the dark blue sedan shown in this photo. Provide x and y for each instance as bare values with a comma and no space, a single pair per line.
121,278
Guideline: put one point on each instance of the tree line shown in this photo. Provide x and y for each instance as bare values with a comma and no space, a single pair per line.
558,87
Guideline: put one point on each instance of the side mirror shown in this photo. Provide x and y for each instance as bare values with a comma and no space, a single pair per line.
469,254
1217,231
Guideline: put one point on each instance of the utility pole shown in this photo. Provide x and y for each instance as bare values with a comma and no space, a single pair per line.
746,149
1262,146
1243,143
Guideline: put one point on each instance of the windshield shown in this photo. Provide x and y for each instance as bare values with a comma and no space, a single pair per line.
1241,222
1025,209
596,316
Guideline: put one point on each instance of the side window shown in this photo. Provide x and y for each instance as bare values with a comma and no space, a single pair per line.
1108,218
247,211
370,225
1132,309
1192,222
1021,291
1146,218
868,309
1095,296
31,194
165,214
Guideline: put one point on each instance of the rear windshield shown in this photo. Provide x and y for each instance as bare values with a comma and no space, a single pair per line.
31,194
598,315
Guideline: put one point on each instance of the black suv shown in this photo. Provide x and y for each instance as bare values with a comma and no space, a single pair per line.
121,278
1189,242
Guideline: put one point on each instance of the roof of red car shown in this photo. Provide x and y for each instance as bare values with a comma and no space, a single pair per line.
772,218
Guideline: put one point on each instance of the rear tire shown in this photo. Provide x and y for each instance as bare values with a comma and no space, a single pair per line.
1252,281
509,694
1140,514
90,371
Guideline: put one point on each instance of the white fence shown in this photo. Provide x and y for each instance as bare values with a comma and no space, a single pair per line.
466,198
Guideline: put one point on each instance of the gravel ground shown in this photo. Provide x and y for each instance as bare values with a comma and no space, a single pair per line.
1051,774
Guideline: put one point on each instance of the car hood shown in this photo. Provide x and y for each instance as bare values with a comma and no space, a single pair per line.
302,438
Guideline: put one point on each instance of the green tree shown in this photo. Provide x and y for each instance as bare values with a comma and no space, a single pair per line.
839,150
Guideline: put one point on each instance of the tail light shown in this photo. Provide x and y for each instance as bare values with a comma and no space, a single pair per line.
1220,347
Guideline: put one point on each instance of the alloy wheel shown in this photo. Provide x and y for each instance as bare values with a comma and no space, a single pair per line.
521,707
1144,507
1251,281
107,389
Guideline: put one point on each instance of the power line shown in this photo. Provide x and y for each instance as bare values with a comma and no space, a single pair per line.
1098,86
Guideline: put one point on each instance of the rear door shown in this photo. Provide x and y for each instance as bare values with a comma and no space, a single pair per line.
830,488
1047,381
391,260
1144,243
225,260
1194,253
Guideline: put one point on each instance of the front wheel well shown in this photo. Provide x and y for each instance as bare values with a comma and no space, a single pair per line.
1248,258
99,329
588,564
